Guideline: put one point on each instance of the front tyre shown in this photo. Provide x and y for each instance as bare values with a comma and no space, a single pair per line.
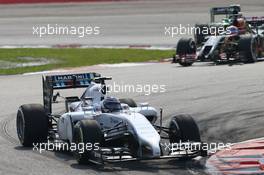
199,37
183,128
186,51
32,124
86,132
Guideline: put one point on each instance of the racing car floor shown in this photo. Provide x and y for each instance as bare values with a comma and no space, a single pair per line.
226,101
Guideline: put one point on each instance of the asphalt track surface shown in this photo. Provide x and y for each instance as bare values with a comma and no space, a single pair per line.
226,101
121,23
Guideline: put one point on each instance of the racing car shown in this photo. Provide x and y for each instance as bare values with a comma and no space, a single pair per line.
241,39
116,129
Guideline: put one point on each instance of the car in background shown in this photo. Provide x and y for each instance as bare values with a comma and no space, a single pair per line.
241,40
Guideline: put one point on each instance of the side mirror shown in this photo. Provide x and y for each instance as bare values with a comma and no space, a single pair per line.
87,101
54,98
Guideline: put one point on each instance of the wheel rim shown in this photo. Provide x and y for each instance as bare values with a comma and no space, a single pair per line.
20,126
174,131
254,47
78,139
192,46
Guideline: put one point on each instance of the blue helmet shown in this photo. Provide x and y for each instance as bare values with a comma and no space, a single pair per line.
110,104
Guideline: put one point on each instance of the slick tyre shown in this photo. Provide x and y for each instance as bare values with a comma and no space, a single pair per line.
86,132
185,46
32,124
183,128
199,37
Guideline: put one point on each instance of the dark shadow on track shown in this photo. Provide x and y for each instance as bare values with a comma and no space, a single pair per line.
145,166
224,63
233,126
207,64
21,148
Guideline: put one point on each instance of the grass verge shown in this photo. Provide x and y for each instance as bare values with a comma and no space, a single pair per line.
73,57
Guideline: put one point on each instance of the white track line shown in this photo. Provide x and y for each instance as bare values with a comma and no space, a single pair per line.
147,47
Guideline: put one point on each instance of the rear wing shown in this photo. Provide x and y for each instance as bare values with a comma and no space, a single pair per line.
255,21
228,11
69,81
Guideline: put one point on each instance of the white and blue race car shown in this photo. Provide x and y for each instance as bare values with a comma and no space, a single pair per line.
115,129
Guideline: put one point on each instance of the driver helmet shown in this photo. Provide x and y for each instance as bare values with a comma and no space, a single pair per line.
232,30
110,104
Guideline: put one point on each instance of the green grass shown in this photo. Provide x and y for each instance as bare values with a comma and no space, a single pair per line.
76,57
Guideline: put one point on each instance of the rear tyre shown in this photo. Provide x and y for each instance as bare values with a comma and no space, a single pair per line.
261,48
260,54
32,124
86,132
185,46
247,47
130,102
183,128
